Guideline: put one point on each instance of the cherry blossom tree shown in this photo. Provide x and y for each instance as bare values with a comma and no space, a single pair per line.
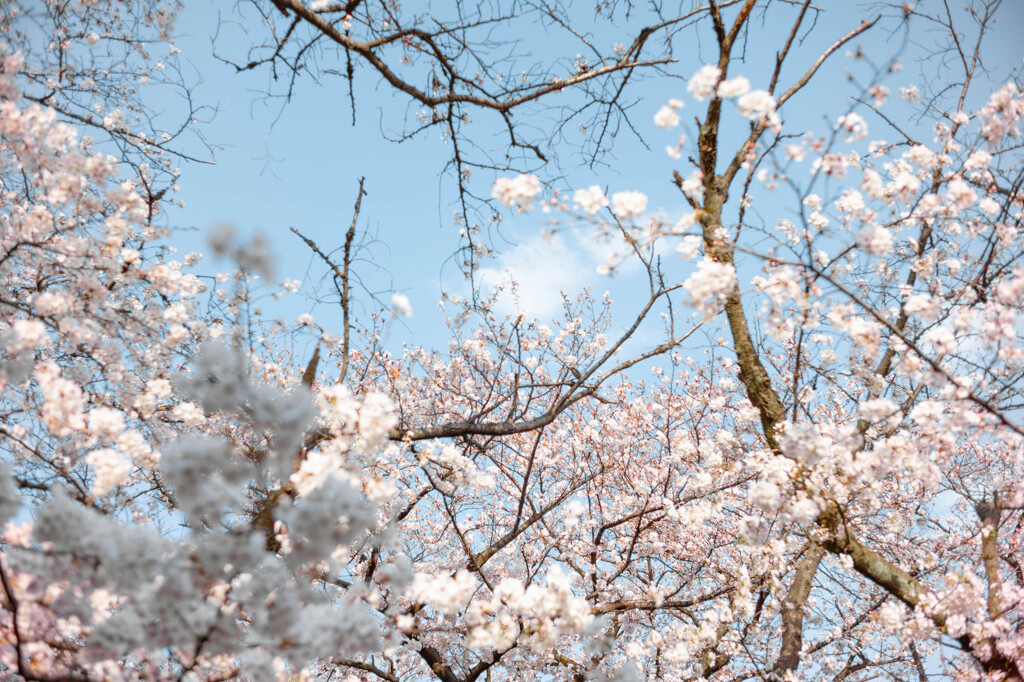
822,476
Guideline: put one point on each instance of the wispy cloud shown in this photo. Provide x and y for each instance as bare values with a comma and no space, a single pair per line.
540,268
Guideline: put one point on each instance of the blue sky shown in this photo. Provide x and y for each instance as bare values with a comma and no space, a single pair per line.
297,164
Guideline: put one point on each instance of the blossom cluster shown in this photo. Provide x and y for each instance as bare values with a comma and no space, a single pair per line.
710,285
519,191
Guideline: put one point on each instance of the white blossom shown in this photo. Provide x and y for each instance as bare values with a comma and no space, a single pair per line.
756,105
444,593
851,202
667,117
709,286
702,84
766,495
110,470
28,334
875,239
590,200
693,186
911,94
941,339
854,125
518,191
734,87
627,205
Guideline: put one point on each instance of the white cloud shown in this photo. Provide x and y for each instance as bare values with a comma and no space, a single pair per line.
541,268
